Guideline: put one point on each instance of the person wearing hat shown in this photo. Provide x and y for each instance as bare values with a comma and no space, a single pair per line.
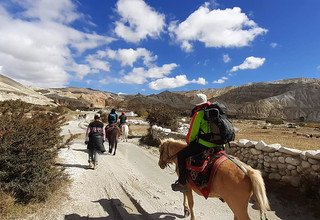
95,137
196,145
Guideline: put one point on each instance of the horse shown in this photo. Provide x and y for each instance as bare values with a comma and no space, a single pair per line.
125,132
235,185
112,134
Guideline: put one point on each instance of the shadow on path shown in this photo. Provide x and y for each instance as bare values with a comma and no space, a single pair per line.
72,165
117,211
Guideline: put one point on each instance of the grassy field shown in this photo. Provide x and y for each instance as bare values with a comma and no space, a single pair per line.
288,137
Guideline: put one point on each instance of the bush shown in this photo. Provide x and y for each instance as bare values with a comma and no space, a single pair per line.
149,140
274,121
28,148
164,118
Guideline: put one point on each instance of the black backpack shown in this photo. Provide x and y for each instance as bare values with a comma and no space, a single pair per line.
222,130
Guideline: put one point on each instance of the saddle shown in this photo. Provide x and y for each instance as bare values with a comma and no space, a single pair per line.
201,169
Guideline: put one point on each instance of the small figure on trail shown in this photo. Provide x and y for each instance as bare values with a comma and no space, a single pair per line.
95,137
196,144
123,119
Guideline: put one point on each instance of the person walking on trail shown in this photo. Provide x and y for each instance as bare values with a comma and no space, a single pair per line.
196,145
123,119
95,137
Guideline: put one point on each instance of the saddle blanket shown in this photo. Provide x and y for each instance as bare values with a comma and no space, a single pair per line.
201,177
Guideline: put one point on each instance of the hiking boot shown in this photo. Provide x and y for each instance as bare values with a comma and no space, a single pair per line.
179,187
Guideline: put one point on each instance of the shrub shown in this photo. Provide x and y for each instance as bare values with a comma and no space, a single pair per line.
274,121
164,118
28,149
149,140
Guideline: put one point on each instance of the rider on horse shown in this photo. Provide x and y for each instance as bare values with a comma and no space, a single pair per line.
123,119
196,145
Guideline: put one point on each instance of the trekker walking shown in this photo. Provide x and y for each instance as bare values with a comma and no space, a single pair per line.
95,137
196,145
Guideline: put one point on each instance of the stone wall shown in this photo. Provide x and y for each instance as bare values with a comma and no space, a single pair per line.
291,166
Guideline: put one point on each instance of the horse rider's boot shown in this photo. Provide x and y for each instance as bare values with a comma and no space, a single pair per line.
179,187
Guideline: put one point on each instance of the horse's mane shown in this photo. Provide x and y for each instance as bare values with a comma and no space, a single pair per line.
177,142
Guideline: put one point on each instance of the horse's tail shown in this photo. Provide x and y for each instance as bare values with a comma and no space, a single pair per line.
259,189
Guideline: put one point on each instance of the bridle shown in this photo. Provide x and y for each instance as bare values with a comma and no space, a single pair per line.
169,158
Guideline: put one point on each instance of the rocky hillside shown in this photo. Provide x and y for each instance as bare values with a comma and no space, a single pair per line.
293,99
82,98
12,90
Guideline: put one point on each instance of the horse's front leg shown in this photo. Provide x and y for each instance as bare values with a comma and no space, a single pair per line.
190,203
185,206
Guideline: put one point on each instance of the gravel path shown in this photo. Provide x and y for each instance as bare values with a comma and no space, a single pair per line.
130,185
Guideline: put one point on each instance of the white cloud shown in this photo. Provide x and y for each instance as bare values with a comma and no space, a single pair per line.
140,75
128,57
216,28
138,21
226,58
249,63
221,80
38,46
273,45
318,68
178,81
97,63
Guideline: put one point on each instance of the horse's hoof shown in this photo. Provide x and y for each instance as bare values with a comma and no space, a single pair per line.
114,154
186,213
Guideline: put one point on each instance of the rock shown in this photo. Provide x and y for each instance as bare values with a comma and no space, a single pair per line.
255,151
282,166
305,164
303,155
260,156
267,158
294,172
292,161
250,144
277,154
314,154
273,165
291,167
313,161
266,164
274,176
315,167
260,145
272,148
274,159
242,142
281,159
290,151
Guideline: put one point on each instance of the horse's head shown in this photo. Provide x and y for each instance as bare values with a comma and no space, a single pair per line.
168,151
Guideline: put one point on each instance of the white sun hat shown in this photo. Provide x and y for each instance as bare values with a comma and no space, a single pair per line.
199,99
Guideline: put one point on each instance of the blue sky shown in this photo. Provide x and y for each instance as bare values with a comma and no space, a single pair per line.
136,46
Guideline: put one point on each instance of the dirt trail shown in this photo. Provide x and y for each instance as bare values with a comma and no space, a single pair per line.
130,185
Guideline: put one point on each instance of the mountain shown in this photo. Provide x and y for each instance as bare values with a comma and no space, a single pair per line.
82,98
290,99
12,90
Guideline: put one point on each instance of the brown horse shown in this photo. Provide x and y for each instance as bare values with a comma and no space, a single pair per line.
112,134
234,185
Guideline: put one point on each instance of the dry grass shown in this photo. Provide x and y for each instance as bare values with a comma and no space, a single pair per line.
287,137
138,130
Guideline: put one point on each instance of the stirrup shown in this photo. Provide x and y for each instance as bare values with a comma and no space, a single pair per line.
179,187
